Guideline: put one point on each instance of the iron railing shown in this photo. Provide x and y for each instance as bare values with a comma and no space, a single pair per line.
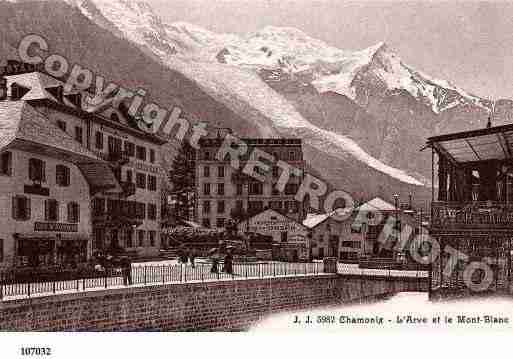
141,275
447,215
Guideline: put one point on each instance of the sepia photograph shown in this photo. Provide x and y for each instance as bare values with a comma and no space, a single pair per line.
260,167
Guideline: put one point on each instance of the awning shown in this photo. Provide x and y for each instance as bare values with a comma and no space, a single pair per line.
52,236
494,143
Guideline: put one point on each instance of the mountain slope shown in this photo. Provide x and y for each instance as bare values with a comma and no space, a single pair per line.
242,90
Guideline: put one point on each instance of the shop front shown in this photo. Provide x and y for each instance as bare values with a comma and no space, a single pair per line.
50,249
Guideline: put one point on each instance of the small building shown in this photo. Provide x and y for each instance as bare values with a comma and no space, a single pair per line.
370,232
331,237
290,237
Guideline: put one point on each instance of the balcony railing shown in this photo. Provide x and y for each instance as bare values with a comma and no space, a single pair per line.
116,157
479,215
128,188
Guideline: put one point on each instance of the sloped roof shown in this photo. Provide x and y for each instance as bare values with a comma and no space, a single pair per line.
272,211
20,121
37,83
23,127
377,204
312,220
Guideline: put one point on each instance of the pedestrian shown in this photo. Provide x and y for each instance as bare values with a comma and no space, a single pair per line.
215,263
228,268
192,258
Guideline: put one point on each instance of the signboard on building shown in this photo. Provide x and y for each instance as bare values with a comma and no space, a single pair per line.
275,224
15,68
55,227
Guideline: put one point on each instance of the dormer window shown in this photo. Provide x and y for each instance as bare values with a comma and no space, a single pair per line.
114,117
18,91
57,92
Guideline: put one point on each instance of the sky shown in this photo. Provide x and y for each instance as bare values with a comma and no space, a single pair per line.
467,43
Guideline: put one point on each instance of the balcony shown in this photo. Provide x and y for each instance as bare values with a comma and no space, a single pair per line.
128,188
117,158
487,215
117,213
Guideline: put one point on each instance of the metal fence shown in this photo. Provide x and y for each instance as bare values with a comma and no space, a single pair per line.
140,275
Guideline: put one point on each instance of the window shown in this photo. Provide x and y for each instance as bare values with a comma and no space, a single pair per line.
1,250
239,204
276,205
140,180
220,189
292,156
256,188
62,175
255,206
152,183
36,170
206,171
152,155
356,228
239,189
62,125
220,171
140,153
207,156
129,148
78,134
206,189
351,244
140,238
206,207
21,208
206,222
276,172
129,233
291,188
51,210
152,235
275,191
114,144
152,211
140,210
73,212
220,223
129,176
6,163
220,207
291,206
98,140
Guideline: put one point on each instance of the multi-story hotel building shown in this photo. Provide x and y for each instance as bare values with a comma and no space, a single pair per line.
224,192
128,218
45,179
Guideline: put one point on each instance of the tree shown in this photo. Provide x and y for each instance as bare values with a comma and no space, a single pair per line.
182,178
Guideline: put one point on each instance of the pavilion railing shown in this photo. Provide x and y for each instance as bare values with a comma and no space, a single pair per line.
454,215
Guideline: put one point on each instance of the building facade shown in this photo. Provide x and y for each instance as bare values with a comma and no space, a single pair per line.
45,179
290,238
128,218
224,192
330,237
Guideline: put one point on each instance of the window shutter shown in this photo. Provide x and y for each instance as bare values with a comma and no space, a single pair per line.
32,170
15,207
70,212
43,171
47,210
68,176
29,209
